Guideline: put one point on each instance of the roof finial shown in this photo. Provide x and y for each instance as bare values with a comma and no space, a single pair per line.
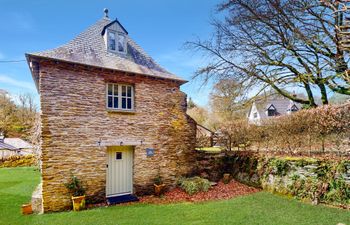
105,10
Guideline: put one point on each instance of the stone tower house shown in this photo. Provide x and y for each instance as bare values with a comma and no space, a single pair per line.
110,116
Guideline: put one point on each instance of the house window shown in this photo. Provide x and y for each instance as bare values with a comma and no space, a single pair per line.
255,115
121,43
111,41
271,112
294,108
116,41
120,96
118,155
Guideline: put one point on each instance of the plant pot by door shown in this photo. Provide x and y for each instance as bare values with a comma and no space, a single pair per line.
27,209
159,189
78,202
227,178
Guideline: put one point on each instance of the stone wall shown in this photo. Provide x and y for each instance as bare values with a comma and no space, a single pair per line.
315,180
74,119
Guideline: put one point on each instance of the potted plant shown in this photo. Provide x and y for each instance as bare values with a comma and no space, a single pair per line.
77,193
158,185
27,209
226,178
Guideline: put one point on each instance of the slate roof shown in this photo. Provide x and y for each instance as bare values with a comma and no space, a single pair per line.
89,48
17,143
282,106
6,146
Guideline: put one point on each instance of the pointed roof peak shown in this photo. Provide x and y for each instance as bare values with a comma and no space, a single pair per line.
89,48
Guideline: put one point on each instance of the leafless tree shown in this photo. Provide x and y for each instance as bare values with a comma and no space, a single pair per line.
280,44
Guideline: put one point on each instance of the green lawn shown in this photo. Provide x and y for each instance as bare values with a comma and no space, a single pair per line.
262,208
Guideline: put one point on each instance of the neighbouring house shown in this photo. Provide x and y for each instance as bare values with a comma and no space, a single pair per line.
204,136
7,150
111,116
25,148
13,146
274,108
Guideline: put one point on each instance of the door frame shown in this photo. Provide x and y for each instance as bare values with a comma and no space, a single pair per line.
132,149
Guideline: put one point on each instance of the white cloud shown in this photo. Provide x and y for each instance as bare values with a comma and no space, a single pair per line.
17,83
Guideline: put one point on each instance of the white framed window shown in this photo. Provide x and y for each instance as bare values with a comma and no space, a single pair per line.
116,41
121,43
120,97
111,41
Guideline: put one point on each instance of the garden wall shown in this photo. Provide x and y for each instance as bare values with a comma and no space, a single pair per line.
310,179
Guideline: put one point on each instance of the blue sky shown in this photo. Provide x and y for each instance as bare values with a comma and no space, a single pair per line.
160,27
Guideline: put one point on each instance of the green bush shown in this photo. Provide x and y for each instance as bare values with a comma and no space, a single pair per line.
194,185
280,166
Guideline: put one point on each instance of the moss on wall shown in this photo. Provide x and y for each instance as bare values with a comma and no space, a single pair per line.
307,179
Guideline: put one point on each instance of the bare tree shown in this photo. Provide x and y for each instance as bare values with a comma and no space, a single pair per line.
227,99
279,44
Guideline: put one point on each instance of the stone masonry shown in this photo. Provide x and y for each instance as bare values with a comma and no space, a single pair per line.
74,119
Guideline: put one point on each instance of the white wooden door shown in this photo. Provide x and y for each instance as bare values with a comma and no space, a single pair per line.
119,170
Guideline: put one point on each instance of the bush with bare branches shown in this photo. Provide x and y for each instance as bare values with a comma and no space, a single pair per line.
314,130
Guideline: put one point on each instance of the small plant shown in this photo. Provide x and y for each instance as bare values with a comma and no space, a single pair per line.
159,186
75,187
280,166
158,180
194,184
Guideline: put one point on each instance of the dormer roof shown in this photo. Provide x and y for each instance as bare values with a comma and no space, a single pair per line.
89,48
111,23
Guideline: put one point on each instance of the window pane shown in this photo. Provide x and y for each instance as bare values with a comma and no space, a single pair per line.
111,37
110,86
115,102
115,89
110,102
123,103
129,103
129,91
118,155
123,90
121,43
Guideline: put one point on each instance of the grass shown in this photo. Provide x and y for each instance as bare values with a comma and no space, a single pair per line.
16,185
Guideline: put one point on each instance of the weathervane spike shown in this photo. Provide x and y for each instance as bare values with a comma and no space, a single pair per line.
105,10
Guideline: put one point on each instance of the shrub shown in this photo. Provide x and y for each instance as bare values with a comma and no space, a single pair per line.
75,187
194,185
17,161
280,167
302,131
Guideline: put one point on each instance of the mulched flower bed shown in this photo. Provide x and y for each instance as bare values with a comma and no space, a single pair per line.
218,192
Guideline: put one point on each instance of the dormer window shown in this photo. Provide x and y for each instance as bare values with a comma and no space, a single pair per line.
294,108
271,111
116,41
115,37
121,43
111,40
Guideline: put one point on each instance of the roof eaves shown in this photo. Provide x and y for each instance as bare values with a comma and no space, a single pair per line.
34,75
32,55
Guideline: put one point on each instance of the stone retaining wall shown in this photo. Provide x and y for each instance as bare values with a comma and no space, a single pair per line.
316,180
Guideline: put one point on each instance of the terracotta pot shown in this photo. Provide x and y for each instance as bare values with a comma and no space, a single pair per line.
27,209
158,189
227,178
78,202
